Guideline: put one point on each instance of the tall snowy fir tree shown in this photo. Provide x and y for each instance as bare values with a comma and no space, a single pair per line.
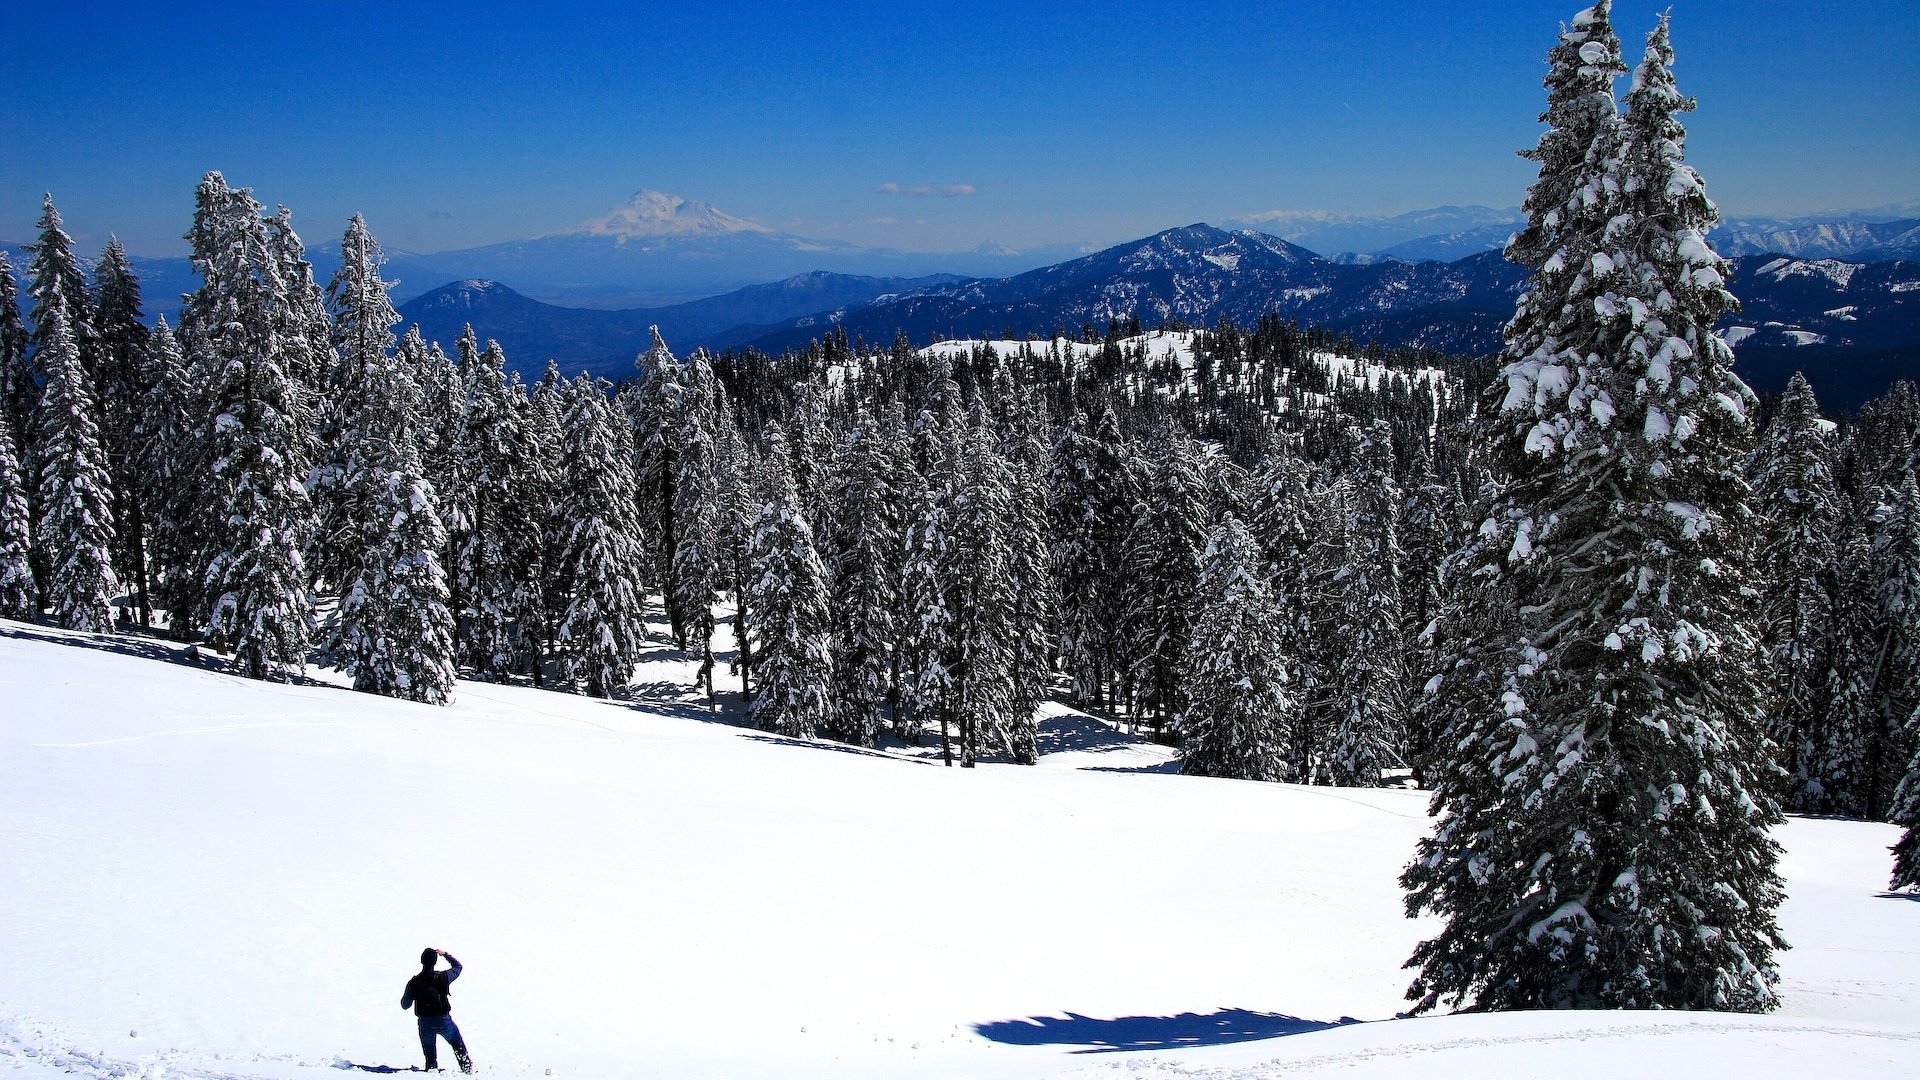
118,390
1796,529
1893,685
697,512
657,411
599,556
497,555
19,597
357,433
788,590
261,606
384,535
1239,712
862,548
19,386
76,501
1603,833
396,629
176,494
1367,676
1162,562
55,279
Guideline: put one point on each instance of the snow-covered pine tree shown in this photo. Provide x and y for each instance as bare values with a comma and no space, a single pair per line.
789,597
1239,711
122,346
737,511
546,404
1091,509
256,450
1894,682
862,549
19,384
19,598
976,575
1283,521
396,630
76,500
362,366
1035,600
55,278
697,500
1796,525
600,554
657,409
1366,721
176,483
497,550
1432,523
1168,533
1603,834
305,332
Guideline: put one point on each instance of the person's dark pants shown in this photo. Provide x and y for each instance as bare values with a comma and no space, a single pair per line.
441,1027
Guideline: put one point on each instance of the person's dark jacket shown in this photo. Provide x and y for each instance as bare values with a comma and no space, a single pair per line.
431,999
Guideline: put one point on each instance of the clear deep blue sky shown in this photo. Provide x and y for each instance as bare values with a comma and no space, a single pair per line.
467,124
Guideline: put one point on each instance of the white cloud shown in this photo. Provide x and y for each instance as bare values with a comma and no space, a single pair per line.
951,191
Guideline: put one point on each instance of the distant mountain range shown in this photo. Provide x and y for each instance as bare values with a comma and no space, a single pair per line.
1820,315
605,342
1447,233
1832,295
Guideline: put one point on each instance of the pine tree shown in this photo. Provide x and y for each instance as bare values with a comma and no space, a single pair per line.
395,632
658,413
1239,711
351,473
176,493
600,554
861,547
1893,681
976,575
257,579
76,510
1162,555
1368,672
789,595
697,512
19,599
497,555
118,391
19,383
55,279
1797,522
1602,837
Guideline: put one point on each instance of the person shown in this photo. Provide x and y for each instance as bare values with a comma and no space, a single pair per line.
430,997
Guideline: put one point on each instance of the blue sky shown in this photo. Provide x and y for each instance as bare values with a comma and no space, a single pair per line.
1027,123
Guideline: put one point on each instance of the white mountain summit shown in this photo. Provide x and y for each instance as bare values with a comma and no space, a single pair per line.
656,213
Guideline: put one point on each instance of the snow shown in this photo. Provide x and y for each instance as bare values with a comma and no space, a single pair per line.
1835,272
202,876
1806,337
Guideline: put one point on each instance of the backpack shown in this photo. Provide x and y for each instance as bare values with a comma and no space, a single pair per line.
431,994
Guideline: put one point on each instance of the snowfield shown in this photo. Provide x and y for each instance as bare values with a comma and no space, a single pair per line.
202,876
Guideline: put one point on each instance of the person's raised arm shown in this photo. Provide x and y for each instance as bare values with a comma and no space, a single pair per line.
453,965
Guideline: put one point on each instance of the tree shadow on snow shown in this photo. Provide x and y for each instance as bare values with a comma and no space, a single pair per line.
1151,1032
355,1066
136,643
1913,896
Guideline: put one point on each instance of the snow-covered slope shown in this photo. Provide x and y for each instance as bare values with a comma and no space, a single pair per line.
206,877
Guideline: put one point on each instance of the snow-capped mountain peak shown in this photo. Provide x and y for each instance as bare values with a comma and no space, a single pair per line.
656,213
